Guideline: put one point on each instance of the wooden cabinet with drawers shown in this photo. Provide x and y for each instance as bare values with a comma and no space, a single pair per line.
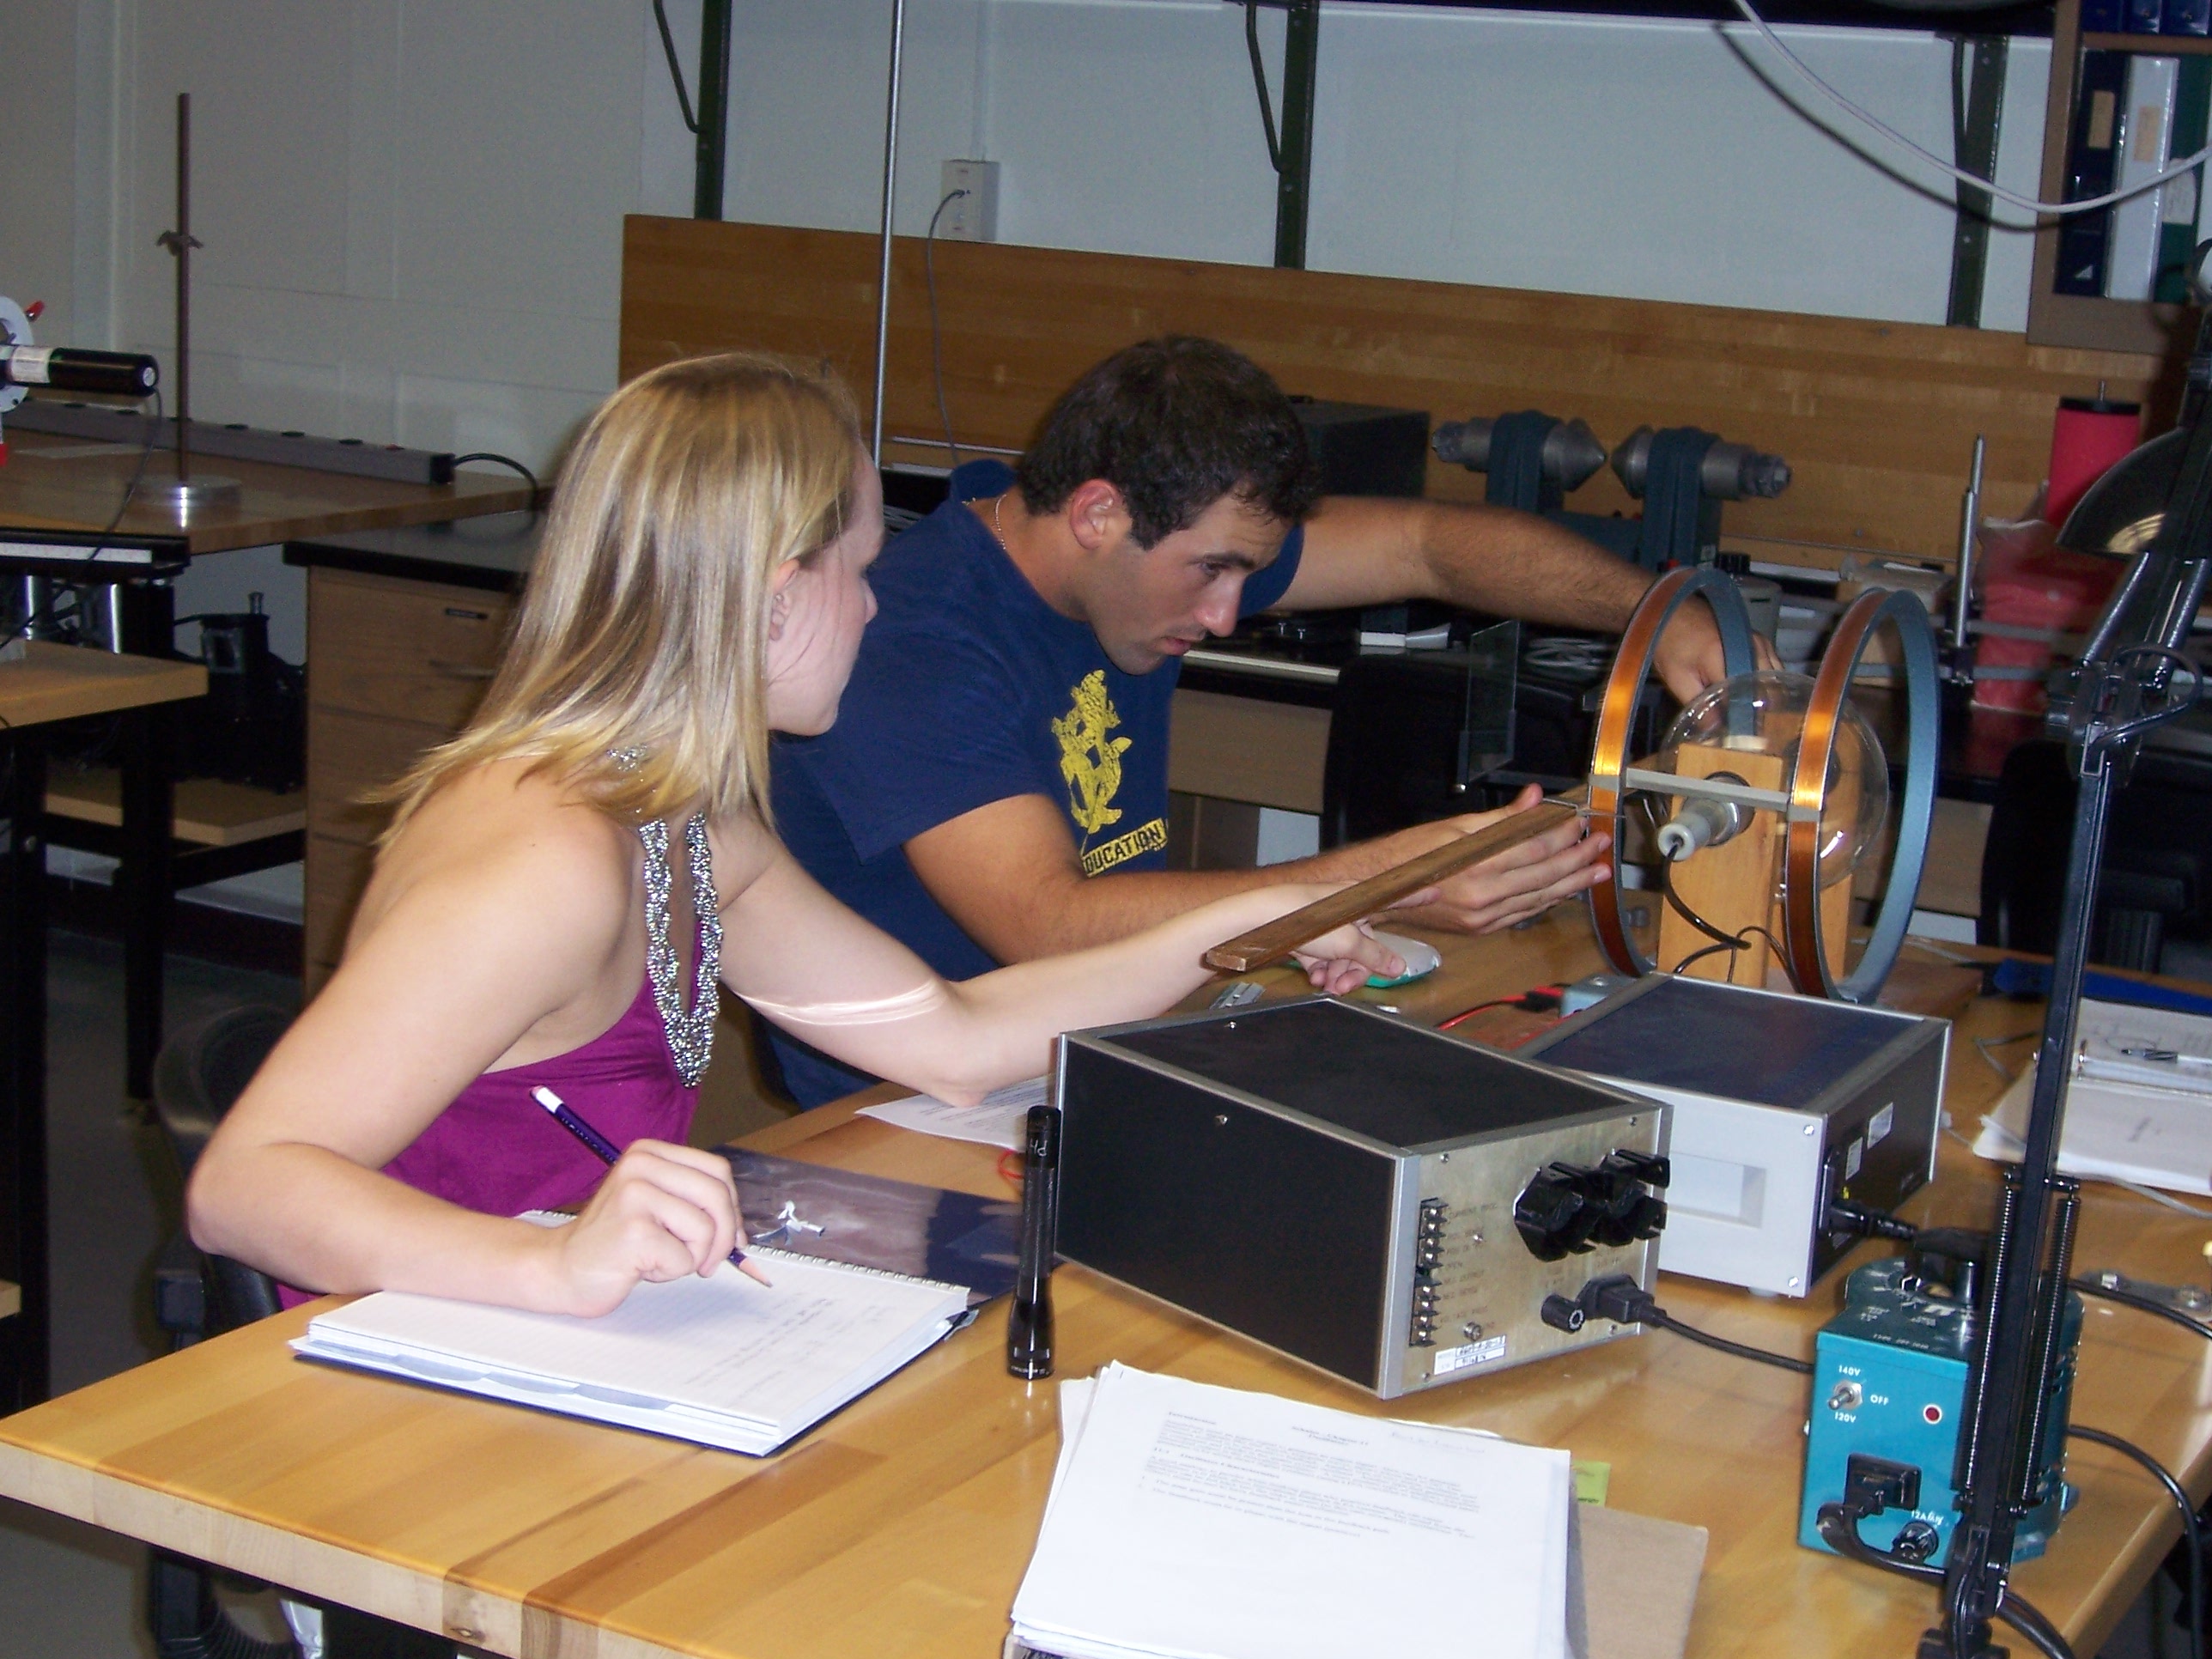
399,667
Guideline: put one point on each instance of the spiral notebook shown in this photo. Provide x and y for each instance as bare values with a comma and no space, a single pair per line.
723,1361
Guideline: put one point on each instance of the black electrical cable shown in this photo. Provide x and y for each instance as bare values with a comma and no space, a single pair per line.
936,334
2020,1613
507,461
1740,940
137,476
1667,1322
1259,83
1838,1524
675,68
1622,1300
2192,1533
2141,1304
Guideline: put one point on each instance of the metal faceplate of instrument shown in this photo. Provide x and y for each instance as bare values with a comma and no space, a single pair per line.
1466,1265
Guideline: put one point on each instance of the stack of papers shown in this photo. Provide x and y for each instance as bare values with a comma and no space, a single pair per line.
2138,1107
1209,1523
999,1119
724,1360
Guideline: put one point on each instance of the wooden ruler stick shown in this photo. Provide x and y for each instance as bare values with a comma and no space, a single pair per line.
1278,938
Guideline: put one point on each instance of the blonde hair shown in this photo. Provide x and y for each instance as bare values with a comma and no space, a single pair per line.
637,672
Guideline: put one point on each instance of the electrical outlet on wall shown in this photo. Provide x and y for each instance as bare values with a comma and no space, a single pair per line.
973,217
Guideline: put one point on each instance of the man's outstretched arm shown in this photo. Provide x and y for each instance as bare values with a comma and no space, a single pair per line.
1008,873
1362,550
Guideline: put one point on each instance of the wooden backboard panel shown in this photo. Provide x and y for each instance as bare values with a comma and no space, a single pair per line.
1876,419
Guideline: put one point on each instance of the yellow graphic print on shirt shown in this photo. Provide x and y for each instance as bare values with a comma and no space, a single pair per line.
1082,732
1090,762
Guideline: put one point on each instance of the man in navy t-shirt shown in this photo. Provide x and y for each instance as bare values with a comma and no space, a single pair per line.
995,787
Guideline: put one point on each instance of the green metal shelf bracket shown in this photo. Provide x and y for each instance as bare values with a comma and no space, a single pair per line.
1978,109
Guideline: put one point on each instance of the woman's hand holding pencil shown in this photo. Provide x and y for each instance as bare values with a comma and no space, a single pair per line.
664,1211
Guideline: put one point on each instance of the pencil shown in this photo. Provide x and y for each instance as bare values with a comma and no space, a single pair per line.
606,1151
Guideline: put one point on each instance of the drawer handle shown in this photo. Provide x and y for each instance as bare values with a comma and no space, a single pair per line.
461,671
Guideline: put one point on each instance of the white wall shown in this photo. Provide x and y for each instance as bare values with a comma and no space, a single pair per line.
1671,160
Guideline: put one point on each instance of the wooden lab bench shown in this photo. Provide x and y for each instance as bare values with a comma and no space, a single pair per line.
903,1523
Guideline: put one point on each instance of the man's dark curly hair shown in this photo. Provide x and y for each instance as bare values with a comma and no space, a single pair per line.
1174,424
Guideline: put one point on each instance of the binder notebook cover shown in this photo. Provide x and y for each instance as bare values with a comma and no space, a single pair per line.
2132,253
2091,162
722,1361
894,1226
2102,16
2176,231
2187,17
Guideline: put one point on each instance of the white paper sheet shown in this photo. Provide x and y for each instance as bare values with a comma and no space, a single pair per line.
2127,1118
1209,1523
999,1119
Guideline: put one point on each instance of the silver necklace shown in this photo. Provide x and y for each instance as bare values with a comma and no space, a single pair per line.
691,1035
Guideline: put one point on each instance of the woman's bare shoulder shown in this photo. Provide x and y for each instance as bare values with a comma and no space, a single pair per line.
508,836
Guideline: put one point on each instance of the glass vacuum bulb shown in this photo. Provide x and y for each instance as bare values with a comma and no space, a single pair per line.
1764,712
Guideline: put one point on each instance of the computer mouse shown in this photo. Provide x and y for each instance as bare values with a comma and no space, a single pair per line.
1420,958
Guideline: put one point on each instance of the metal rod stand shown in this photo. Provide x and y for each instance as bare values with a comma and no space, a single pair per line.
890,192
185,495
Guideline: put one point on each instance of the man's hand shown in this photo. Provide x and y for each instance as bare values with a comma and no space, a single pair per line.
1688,656
1521,882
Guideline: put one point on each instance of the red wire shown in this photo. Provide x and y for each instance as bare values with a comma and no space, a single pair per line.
1469,1013
1519,1002
1010,1167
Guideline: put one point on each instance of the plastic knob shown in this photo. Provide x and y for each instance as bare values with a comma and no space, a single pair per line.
1553,1216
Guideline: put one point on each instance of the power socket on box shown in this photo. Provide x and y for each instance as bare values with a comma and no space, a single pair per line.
973,217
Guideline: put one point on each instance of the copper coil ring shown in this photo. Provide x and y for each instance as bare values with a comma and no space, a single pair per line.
1623,689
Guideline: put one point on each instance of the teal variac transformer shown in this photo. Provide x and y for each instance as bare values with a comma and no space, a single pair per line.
1889,1386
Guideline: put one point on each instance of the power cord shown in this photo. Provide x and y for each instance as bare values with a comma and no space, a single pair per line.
1620,1299
2192,1531
2011,197
536,488
1838,1524
675,68
137,476
2140,1304
1259,83
936,334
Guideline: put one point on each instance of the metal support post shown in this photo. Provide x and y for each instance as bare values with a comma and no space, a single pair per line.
1294,179
713,108
890,193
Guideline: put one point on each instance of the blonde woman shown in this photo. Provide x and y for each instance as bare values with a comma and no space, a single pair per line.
564,882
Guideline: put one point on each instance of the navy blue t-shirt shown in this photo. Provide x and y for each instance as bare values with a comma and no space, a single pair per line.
970,689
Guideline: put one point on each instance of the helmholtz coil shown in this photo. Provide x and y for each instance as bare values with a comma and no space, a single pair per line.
1768,793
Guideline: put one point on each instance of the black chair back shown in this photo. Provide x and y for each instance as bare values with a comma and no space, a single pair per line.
199,1073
